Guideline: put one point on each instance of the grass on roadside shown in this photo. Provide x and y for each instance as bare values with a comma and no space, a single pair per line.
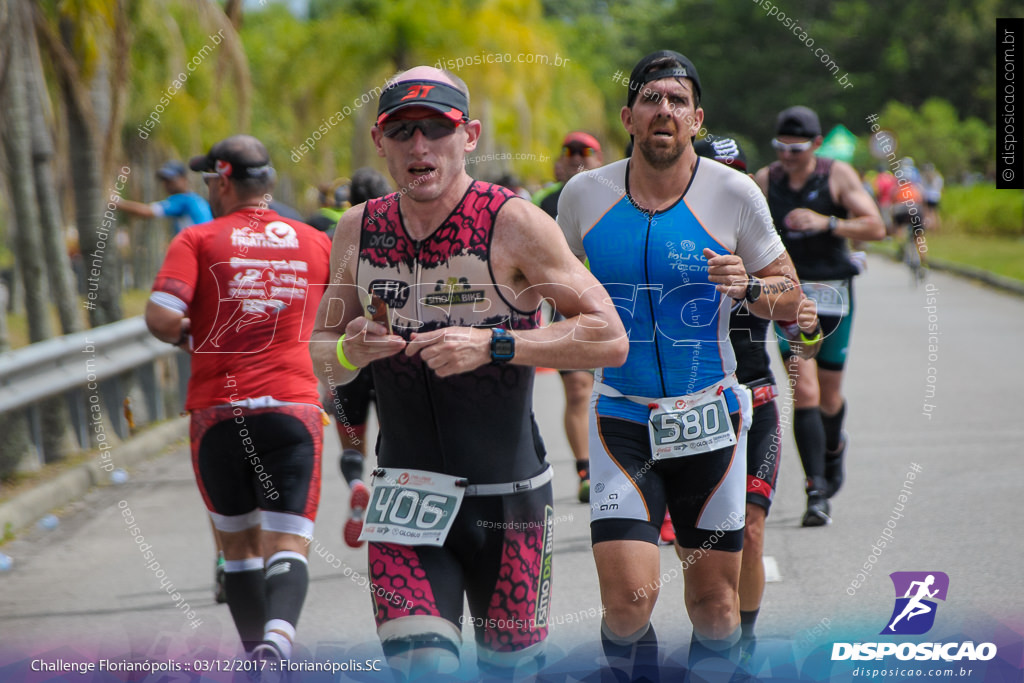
999,255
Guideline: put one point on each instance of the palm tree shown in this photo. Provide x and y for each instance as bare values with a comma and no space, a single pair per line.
80,38
21,174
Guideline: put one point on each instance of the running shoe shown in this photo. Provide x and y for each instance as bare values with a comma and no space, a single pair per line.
668,533
354,526
834,466
220,594
267,664
583,495
818,510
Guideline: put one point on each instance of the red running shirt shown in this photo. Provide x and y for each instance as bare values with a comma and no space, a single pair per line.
252,282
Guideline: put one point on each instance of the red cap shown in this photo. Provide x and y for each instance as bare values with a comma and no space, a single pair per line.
582,138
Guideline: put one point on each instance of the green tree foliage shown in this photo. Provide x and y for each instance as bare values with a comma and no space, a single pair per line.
756,57
933,133
190,80
524,85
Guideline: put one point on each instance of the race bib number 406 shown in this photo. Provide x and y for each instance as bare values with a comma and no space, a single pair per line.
678,429
412,507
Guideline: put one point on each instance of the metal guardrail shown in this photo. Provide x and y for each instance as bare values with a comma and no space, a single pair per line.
84,363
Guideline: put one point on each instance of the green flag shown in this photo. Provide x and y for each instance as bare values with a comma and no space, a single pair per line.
840,144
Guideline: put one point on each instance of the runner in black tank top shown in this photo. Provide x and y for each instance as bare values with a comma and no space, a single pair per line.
817,205
435,290
440,282
819,256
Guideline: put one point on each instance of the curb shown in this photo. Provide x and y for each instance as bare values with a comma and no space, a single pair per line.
28,506
1005,284
1000,282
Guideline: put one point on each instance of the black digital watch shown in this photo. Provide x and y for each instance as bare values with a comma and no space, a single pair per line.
503,345
754,290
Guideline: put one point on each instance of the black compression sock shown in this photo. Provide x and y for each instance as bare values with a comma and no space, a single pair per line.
287,582
747,621
645,662
583,467
633,658
712,660
243,585
351,465
809,434
833,428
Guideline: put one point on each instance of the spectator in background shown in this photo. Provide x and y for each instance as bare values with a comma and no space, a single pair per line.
182,206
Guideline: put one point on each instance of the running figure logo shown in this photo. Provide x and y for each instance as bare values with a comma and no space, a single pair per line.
914,613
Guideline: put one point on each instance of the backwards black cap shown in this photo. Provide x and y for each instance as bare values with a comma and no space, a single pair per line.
239,157
798,122
638,78
437,95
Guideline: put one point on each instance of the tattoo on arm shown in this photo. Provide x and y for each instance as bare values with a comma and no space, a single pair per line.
779,286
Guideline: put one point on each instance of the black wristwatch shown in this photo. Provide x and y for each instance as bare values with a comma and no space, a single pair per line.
754,290
503,345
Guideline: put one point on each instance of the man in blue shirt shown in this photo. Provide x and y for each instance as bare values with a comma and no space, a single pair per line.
676,241
182,206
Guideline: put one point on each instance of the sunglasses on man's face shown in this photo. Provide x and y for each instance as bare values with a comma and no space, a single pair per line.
432,129
577,149
792,147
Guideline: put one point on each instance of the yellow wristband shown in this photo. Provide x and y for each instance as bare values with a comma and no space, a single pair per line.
810,340
345,363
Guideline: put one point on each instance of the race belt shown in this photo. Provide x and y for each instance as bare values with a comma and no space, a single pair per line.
687,425
763,394
416,507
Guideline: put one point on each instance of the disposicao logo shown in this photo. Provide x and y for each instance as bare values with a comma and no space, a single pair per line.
914,615
916,592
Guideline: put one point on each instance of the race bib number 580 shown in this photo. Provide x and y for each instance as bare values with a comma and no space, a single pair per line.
678,430
412,507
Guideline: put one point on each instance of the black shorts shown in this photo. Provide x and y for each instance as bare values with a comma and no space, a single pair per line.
263,459
764,441
497,557
350,403
630,491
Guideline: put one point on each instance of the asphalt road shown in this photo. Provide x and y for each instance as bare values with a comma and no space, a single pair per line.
84,588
